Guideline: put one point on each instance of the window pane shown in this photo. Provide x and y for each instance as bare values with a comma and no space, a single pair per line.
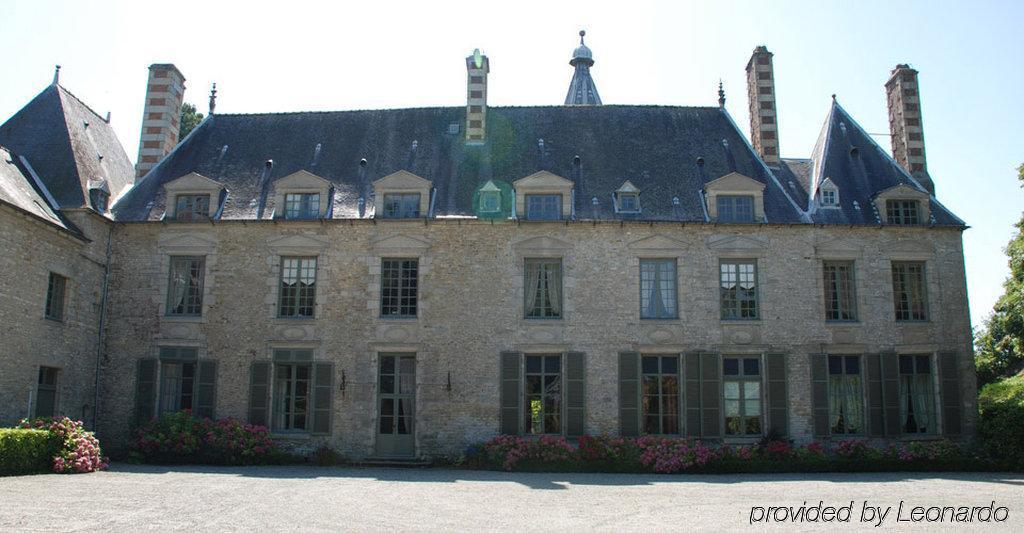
399,287
751,366
735,208
185,290
406,205
909,292
738,287
658,288
190,207
543,288
669,365
852,364
297,294
835,364
730,366
55,296
840,302
543,206
542,394
731,390
302,206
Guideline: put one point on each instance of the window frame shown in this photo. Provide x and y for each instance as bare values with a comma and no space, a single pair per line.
542,197
526,408
529,299
293,358
674,315
679,395
403,202
756,298
193,296
859,399
925,312
56,297
306,205
731,203
190,207
177,356
929,394
826,201
837,284
742,377
620,196
405,288
903,212
301,293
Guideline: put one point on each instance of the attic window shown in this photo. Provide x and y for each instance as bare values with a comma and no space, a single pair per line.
453,128
902,212
629,202
829,198
490,201
735,208
99,199
301,206
191,207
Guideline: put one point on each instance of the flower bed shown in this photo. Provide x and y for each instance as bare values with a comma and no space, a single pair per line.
181,438
64,442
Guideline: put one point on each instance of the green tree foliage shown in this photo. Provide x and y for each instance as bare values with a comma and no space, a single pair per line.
189,120
1000,346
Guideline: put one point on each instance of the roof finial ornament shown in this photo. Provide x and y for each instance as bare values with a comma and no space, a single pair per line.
721,94
582,34
213,97
833,97
56,74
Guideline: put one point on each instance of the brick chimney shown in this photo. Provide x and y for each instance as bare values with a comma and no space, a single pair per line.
160,116
477,68
905,123
764,127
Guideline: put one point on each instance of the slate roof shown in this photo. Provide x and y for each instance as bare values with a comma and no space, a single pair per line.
17,188
67,144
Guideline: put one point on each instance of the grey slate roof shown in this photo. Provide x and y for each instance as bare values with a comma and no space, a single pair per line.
656,148
51,132
17,188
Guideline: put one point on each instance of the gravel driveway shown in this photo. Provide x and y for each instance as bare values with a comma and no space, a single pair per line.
130,497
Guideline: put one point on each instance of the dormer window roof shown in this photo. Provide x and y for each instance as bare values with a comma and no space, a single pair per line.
401,195
828,194
903,205
627,199
543,196
735,198
192,197
301,195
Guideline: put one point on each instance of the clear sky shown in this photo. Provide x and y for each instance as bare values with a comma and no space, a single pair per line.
297,55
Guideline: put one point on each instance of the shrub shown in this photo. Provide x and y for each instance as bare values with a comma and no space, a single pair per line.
26,451
1001,423
180,437
509,451
668,456
76,451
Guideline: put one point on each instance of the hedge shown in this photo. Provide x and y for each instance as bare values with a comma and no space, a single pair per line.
1001,423
26,451
183,438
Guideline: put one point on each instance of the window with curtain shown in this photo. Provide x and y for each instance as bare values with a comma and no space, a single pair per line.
845,395
402,205
543,206
738,289
543,288
733,208
658,288
178,370
910,296
660,394
741,387
917,402
297,294
291,396
185,286
840,294
301,206
190,207
399,288
542,411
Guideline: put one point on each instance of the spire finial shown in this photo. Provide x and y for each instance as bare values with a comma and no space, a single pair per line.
213,97
833,97
56,74
582,34
721,94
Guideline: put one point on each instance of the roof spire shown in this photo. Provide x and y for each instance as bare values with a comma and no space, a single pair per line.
56,75
213,97
582,34
582,90
721,94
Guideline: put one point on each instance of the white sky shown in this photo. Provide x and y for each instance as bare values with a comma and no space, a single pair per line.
298,55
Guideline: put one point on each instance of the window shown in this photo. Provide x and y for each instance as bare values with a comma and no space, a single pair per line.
399,288
764,90
46,392
829,198
543,393
192,207
735,208
543,288
660,394
291,396
185,286
840,293
302,206
543,206
741,385
917,405
297,296
845,403
177,379
99,199
404,205
658,288
739,290
629,202
909,293
902,212
490,201
55,296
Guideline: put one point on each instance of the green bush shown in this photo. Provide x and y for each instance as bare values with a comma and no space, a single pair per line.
26,451
181,438
1001,424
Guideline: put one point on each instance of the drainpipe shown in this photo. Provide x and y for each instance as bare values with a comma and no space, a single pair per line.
102,325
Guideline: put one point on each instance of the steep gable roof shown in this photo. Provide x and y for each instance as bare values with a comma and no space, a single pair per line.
17,188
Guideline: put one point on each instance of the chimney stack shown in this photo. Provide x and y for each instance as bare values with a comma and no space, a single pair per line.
160,116
477,68
764,127
905,124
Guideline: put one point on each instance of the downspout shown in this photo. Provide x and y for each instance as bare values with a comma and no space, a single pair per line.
100,337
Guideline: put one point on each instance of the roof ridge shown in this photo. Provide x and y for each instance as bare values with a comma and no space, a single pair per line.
459,107
80,101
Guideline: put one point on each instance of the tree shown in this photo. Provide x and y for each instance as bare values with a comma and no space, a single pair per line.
189,120
1000,345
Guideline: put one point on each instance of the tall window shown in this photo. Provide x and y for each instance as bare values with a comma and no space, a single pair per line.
910,295
741,385
902,212
658,288
840,294
738,289
177,379
192,207
543,206
46,392
660,394
185,285
845,403
291,396
543,393
733,208
301,206
297,295
403,205
543,288
55,296
399,288
917,405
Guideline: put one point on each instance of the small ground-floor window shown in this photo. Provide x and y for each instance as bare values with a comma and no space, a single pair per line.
543,394
46,392
741,386
917,403
845,396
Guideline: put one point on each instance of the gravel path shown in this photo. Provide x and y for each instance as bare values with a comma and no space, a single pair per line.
132,498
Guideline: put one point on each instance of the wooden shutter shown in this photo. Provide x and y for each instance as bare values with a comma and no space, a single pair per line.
691,373
876,407
259,393
575,394
710,395
629,394
778,398
511,391
145,390
949,390
819,393
891,392
206,388
323,386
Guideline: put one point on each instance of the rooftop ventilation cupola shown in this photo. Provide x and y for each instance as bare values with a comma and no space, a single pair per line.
582,90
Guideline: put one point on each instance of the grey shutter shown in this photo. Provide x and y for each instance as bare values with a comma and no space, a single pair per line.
575,394
629,394
145,390
206,388
949,389
323,376
691,371
710,395
511,387
891,393
778,398
876,408
259,388
819,393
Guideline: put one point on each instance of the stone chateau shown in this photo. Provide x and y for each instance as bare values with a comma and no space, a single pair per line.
402,283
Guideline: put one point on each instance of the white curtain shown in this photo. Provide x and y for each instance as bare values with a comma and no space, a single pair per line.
922,402
532,288
179,283
553,280
854,407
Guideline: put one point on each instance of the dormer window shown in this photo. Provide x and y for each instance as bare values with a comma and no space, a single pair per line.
192,207
402,195
829,198
99,199
629,202
735,208
490,201
543,206
735,198
402,205
301,206
902,212
543,196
